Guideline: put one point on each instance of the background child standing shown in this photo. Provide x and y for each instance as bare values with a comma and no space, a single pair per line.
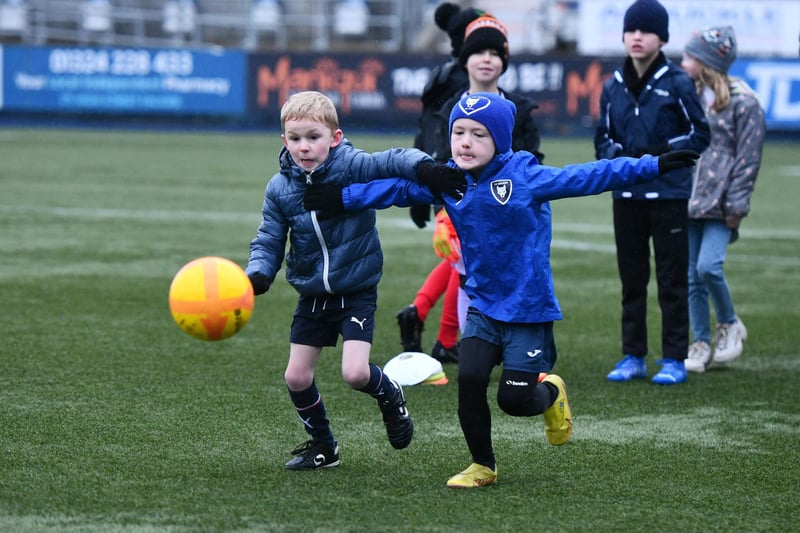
650,106
446,80
724,181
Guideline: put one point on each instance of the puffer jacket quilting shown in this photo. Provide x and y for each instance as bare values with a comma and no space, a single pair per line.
340,255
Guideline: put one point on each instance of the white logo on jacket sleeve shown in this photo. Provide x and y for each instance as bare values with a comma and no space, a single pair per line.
501,190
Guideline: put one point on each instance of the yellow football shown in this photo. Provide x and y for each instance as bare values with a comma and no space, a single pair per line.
211,298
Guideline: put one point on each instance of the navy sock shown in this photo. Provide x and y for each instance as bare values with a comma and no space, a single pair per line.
311,410
379,386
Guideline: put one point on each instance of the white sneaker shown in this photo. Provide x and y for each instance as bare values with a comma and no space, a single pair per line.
730,341
699,357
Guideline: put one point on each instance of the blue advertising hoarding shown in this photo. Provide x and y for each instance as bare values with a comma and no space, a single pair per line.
122,81
777,83
374,91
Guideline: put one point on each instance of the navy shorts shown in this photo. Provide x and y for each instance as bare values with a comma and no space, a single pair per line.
525,347
319,320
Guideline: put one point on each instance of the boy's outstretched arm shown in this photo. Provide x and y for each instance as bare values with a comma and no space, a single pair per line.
586,179
329,200
435,180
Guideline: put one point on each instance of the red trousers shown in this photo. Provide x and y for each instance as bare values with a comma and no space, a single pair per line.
443,279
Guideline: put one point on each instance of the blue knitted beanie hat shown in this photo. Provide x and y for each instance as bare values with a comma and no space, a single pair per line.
491,110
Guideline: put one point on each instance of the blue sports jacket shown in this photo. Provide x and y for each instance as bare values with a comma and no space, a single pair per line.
667,110
336,256
504,224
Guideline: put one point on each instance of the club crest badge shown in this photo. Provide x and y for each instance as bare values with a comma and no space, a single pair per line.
501,190
474,104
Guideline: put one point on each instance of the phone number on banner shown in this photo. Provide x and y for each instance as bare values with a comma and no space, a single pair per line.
120,62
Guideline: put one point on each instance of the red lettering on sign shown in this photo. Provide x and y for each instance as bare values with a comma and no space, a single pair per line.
325,76
589,87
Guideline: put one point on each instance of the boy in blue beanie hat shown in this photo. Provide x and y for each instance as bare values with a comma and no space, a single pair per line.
650,106
504,221
485,56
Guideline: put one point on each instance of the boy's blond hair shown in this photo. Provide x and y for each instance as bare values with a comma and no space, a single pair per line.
310,105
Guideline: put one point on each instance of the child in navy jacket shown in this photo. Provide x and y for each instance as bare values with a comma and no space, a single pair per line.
650,106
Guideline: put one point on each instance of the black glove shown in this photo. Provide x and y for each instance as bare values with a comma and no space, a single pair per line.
326,200
653,149
441,179
260,283
420,214
608,149
677,159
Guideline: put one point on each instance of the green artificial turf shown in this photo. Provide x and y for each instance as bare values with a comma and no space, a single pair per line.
112,419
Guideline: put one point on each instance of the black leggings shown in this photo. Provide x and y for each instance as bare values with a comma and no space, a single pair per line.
518,394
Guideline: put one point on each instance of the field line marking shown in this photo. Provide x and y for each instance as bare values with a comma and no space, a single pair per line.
232,216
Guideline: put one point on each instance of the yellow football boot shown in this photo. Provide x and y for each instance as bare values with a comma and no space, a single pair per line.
558,417
474,476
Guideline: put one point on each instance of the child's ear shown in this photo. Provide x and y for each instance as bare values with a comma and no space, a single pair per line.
338,135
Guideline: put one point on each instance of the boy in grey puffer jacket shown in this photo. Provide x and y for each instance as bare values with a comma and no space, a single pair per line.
334,265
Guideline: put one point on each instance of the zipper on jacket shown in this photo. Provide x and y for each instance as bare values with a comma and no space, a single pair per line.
326,259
